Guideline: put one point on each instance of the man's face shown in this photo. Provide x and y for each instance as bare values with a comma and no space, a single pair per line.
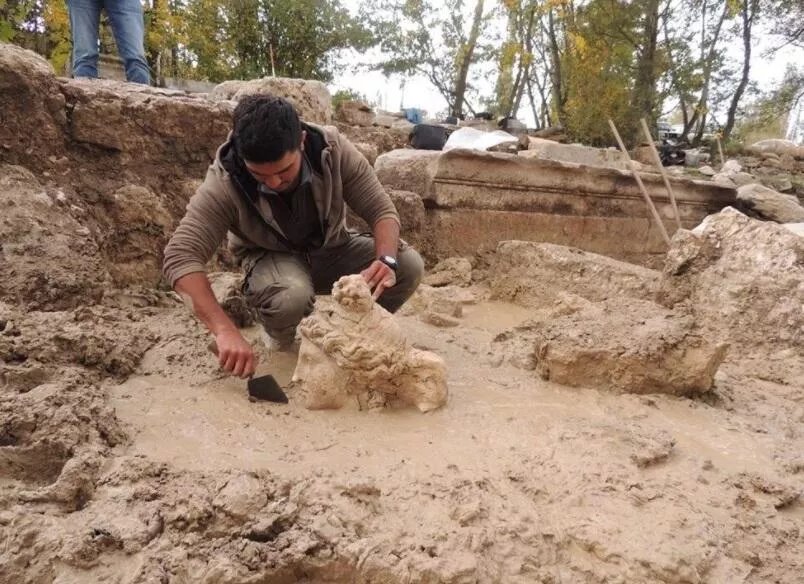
279,175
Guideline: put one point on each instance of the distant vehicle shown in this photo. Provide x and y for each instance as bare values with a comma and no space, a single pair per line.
666,131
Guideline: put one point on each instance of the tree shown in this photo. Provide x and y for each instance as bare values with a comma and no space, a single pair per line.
254,38
423,39
608,60
776,112
515,55
749,10
37,25
788,17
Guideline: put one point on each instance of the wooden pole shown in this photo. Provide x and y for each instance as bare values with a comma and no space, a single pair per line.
658,162
720,150
642,188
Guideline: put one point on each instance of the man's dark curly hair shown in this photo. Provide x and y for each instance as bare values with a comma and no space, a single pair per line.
266,127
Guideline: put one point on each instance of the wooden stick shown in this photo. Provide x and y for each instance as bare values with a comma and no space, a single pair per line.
658,162
645,194
720,150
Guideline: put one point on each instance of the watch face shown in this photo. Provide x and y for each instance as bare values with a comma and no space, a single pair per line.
388,260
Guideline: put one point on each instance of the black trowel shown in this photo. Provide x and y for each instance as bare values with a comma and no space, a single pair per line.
263,388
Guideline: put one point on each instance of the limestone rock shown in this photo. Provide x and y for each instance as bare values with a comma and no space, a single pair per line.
49,261
34,121
741,278
242,497
535,274
448,300
385,119
769,204
410,207
226,90
310,98
367,150
550,150
456,271
228,290
731,166
355,113
490,197
407,169
783,184
777,146
707,171
146,126
623,345
355,347
382,139
138,229
643,154
742,178
403,125
725,179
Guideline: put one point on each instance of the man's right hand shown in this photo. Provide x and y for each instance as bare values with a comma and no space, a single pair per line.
235,354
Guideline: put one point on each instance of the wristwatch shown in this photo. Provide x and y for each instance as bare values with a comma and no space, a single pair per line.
389,261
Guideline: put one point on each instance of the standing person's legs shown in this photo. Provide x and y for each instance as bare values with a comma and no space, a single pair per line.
125,17
84,23
358,254
279,288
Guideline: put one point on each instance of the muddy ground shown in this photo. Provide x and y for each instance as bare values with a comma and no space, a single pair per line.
127,457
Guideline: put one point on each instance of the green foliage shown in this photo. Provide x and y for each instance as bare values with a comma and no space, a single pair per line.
245,39
13,13
58,30
768,115
605,49
343,95
211,39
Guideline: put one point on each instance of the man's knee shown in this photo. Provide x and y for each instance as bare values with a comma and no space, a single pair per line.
283,304
410,270
409,275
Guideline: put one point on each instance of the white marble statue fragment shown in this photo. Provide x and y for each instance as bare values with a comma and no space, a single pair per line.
353,348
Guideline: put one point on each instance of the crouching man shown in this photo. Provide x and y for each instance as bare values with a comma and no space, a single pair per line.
280,188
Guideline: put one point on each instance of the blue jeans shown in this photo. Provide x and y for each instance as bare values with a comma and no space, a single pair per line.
125,17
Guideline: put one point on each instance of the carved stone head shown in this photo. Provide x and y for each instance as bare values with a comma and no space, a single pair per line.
354,347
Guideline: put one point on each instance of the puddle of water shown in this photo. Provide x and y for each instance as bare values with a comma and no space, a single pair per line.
494,317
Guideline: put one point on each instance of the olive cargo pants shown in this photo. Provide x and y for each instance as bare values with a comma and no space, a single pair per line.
281,287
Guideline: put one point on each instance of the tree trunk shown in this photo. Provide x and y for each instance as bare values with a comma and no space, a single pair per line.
525,61
464,61
749,10
557,89
643,99
708,64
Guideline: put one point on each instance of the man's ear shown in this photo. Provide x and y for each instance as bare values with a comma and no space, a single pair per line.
304,135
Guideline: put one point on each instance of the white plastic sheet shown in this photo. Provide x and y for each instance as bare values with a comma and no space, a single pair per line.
477,139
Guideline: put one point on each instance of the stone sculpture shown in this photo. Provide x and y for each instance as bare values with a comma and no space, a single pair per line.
354,347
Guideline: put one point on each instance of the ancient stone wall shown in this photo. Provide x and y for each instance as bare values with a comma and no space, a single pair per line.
493,197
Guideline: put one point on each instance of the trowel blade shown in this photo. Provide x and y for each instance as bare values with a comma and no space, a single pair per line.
266,388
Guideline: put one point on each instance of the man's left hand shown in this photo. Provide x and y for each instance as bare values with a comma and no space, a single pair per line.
379,277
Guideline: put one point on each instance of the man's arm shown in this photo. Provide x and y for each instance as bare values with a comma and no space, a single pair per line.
386,242
367,197
194,242
235,354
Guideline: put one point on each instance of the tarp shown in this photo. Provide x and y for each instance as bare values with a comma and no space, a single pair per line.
477,139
